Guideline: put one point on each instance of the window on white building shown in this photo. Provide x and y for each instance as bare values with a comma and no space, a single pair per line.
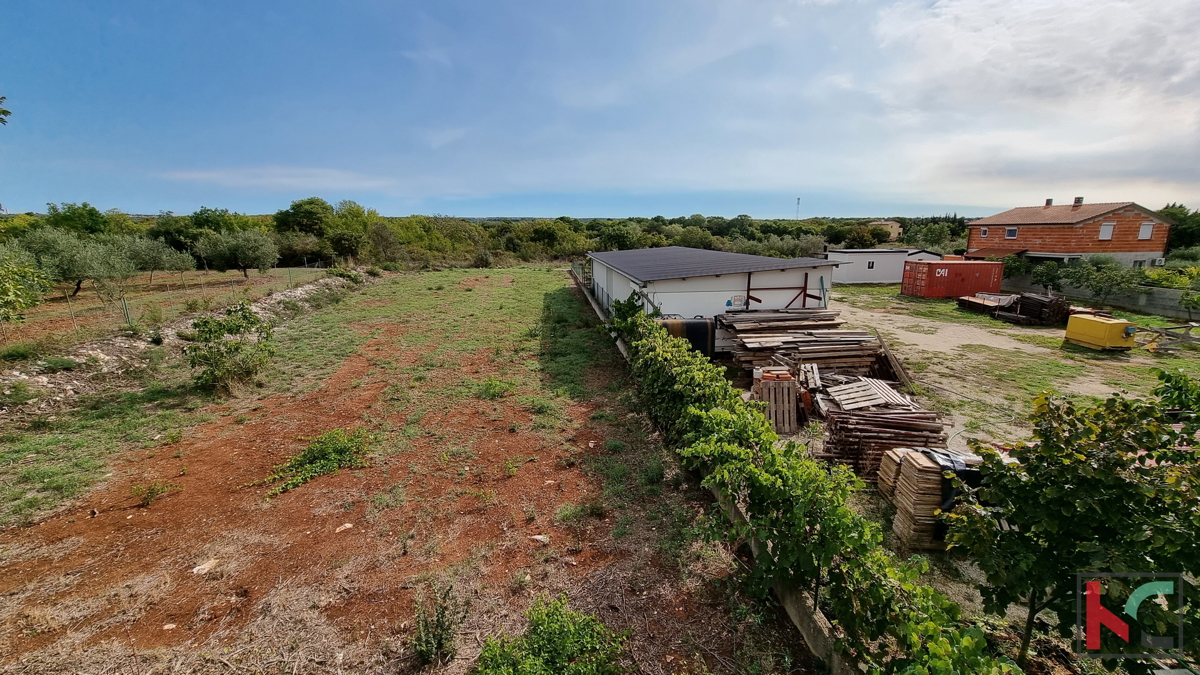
1146,231
1010,233
870,264
1139,263
1106,231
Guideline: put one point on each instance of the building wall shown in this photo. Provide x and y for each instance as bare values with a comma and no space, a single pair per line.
608,284
888,268
1083,238
1148,300
712,295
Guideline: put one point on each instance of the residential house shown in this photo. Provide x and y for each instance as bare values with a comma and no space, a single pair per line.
1131,233
891,226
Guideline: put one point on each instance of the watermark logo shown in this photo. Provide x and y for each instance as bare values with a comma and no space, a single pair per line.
1148,625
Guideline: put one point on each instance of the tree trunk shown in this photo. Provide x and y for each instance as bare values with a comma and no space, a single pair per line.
245,272
1023,654
151,277
78,286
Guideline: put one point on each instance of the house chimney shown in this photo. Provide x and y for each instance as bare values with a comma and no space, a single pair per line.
1078,202
1049,202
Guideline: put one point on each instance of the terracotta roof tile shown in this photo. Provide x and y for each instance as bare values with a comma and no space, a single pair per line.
1065,214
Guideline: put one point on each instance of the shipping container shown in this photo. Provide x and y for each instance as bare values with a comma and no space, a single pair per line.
951,278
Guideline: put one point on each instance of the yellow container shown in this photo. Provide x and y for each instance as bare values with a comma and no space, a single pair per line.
1098,332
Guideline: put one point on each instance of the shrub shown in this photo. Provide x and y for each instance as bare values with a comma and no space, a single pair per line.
326,453
230,350
557,641
147,494
391,267
349,275
374,272
438,619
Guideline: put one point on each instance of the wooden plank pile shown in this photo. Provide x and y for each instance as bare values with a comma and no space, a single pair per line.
889,471
1037,310
918,495
860,437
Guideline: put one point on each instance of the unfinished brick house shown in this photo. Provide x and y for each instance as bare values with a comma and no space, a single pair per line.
1133,234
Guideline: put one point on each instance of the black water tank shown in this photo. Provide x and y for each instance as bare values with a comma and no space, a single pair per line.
700,332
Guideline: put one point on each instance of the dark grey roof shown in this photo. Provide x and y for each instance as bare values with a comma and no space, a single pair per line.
680,262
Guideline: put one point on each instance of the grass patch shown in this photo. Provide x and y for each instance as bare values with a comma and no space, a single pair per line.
557,641
149,493
492,388
1022,374
332,450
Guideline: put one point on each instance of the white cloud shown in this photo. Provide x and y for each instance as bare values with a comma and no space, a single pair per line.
1001,99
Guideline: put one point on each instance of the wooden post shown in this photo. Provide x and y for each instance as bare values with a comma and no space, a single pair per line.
71,308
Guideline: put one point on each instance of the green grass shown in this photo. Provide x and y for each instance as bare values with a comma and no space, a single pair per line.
1022,374
39,470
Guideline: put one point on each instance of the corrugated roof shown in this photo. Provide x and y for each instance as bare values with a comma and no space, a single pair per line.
1064,214
680,262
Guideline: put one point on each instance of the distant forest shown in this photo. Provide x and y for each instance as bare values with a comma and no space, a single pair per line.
313,229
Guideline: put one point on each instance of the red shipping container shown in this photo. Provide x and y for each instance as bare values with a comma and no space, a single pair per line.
951,278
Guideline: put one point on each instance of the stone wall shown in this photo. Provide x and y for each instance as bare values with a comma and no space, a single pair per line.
1161,301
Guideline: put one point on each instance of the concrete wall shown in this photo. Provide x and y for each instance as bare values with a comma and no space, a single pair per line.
1161,301
888,267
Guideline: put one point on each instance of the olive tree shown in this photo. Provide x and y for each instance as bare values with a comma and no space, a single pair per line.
240,250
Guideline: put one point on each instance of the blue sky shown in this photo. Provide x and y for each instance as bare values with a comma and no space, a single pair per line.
587,108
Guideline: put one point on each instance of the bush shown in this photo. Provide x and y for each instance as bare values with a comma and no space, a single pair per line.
332,450
374,272
230,350
437,626
342,273
391,267
557,641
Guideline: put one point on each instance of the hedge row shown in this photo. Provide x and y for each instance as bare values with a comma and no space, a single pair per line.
797,508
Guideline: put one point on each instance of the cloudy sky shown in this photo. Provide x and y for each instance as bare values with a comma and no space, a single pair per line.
601,108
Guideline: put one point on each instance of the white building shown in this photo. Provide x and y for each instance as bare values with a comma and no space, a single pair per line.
691,283
874,265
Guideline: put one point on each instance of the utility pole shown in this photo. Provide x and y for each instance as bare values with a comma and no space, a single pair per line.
797,208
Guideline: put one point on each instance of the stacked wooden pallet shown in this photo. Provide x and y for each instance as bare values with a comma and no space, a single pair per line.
860,437
1027,309
1038,310
889,470
918,496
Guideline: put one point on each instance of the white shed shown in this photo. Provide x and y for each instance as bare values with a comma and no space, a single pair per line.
690,283
874,265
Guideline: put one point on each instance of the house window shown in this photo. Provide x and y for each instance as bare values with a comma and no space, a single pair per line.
1146,231
983,232
1139,263
1106,231
1010,233
870,264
